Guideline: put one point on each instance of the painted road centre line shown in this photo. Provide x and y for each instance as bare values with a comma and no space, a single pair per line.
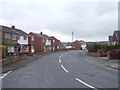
64,69
85,84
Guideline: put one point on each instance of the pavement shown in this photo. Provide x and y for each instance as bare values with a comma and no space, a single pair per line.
20,64
104,61
70,69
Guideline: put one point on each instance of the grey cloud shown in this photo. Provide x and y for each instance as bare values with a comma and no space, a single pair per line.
86,19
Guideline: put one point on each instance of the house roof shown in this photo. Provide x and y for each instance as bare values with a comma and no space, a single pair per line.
20,32
41,35
116,36
6,29
12,30
77,41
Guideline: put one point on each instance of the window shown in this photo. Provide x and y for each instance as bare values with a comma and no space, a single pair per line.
49,40
18,37
13,36
53,40
26,48
7,35
25,38
44,47
10,49
32,47
32,38
44,40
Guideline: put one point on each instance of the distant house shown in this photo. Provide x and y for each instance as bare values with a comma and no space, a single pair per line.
42,42
46,42
55,44
76,45
79,45
59,44
115,38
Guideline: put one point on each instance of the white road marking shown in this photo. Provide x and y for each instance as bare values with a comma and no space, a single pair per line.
85,83
60,57
64,69
59,60
5,74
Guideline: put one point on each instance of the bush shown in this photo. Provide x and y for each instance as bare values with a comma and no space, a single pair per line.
104,48
93,47
3,51
110,48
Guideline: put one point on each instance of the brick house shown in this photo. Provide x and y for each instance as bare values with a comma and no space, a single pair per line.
16,40
59,44
22,42
55,44
76,45
9,38
42,42
46,42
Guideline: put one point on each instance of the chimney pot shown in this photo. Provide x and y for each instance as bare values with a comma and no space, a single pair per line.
40,32
13,27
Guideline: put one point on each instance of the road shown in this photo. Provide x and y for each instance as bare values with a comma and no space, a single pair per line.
71,69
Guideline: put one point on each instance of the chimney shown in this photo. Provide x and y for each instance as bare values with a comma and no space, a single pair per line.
13,27
41,33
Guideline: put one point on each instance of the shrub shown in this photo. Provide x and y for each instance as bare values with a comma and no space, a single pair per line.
93,47
110,48
3,51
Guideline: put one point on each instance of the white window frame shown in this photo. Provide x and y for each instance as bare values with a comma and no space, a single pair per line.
7,35
43,40
53,40
32,38
26,48
13,36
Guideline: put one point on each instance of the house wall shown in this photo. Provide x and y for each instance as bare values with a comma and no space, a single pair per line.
37,43
83,46
76,45
0,38
53,44
31,44
8,39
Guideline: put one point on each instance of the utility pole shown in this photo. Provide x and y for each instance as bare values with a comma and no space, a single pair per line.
72,36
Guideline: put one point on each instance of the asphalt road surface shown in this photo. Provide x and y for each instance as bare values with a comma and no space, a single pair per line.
71,69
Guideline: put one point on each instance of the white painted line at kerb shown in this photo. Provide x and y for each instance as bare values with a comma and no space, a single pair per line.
64,69
5,74
85,84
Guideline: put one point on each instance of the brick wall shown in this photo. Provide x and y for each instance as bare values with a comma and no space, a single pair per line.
113,55
11,60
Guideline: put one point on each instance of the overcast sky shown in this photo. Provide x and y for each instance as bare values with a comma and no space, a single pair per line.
90,21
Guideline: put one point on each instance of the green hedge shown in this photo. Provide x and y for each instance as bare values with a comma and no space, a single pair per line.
109,48
93,47
105,48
